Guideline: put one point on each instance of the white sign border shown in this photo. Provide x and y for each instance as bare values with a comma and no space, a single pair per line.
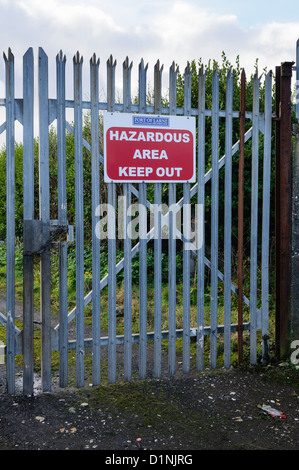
126,120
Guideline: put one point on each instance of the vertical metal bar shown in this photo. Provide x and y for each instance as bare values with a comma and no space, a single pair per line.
28,139
142,244
266,215
95,196
254,219
142,281
44,196
285,207
63,323
173,72
187,235
127,241
61,152
142,87
186,277
44,137
77,64
172,280
127,286
172,240
201,221
28,214
241,215
10,222
127,69
277,210
157,281
214,219
228,219
111,285
111,242
62,220
158,240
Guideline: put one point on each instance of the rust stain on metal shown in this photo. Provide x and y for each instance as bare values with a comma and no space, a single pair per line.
283,199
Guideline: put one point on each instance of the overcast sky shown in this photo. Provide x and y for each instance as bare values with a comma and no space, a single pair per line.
168,30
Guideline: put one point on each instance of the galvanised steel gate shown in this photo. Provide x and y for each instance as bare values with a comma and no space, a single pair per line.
41,234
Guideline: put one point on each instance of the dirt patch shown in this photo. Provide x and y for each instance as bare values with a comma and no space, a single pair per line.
210,410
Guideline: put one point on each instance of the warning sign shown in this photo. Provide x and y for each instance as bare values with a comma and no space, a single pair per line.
149,148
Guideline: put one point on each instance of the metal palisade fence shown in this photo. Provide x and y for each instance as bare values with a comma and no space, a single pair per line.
40,235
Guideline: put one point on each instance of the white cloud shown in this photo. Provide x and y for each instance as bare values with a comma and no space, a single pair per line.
276,39
190,32
169,30
69,15
188,21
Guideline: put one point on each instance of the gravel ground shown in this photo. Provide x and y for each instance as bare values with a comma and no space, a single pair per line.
211,410
216,410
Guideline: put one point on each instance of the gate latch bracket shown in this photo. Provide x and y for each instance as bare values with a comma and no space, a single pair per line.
39,235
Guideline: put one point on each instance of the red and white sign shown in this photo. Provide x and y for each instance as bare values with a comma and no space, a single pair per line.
149,148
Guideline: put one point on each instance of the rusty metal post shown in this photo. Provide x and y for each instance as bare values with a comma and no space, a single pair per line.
241,216
283,222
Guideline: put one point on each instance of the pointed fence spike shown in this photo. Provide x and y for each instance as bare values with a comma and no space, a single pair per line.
77,59
94,60
141,65
60,57
126,63
110,61
9,56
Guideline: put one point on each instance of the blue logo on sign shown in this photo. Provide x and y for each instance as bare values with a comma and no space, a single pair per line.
150,121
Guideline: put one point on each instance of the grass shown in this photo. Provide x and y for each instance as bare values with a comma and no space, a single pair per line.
135,306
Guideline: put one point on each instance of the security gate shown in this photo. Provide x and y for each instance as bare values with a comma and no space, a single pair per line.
195,240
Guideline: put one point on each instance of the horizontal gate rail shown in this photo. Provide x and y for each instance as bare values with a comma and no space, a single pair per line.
119,107
150,336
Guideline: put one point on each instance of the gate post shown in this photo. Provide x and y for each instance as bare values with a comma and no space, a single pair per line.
294,313
283,209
